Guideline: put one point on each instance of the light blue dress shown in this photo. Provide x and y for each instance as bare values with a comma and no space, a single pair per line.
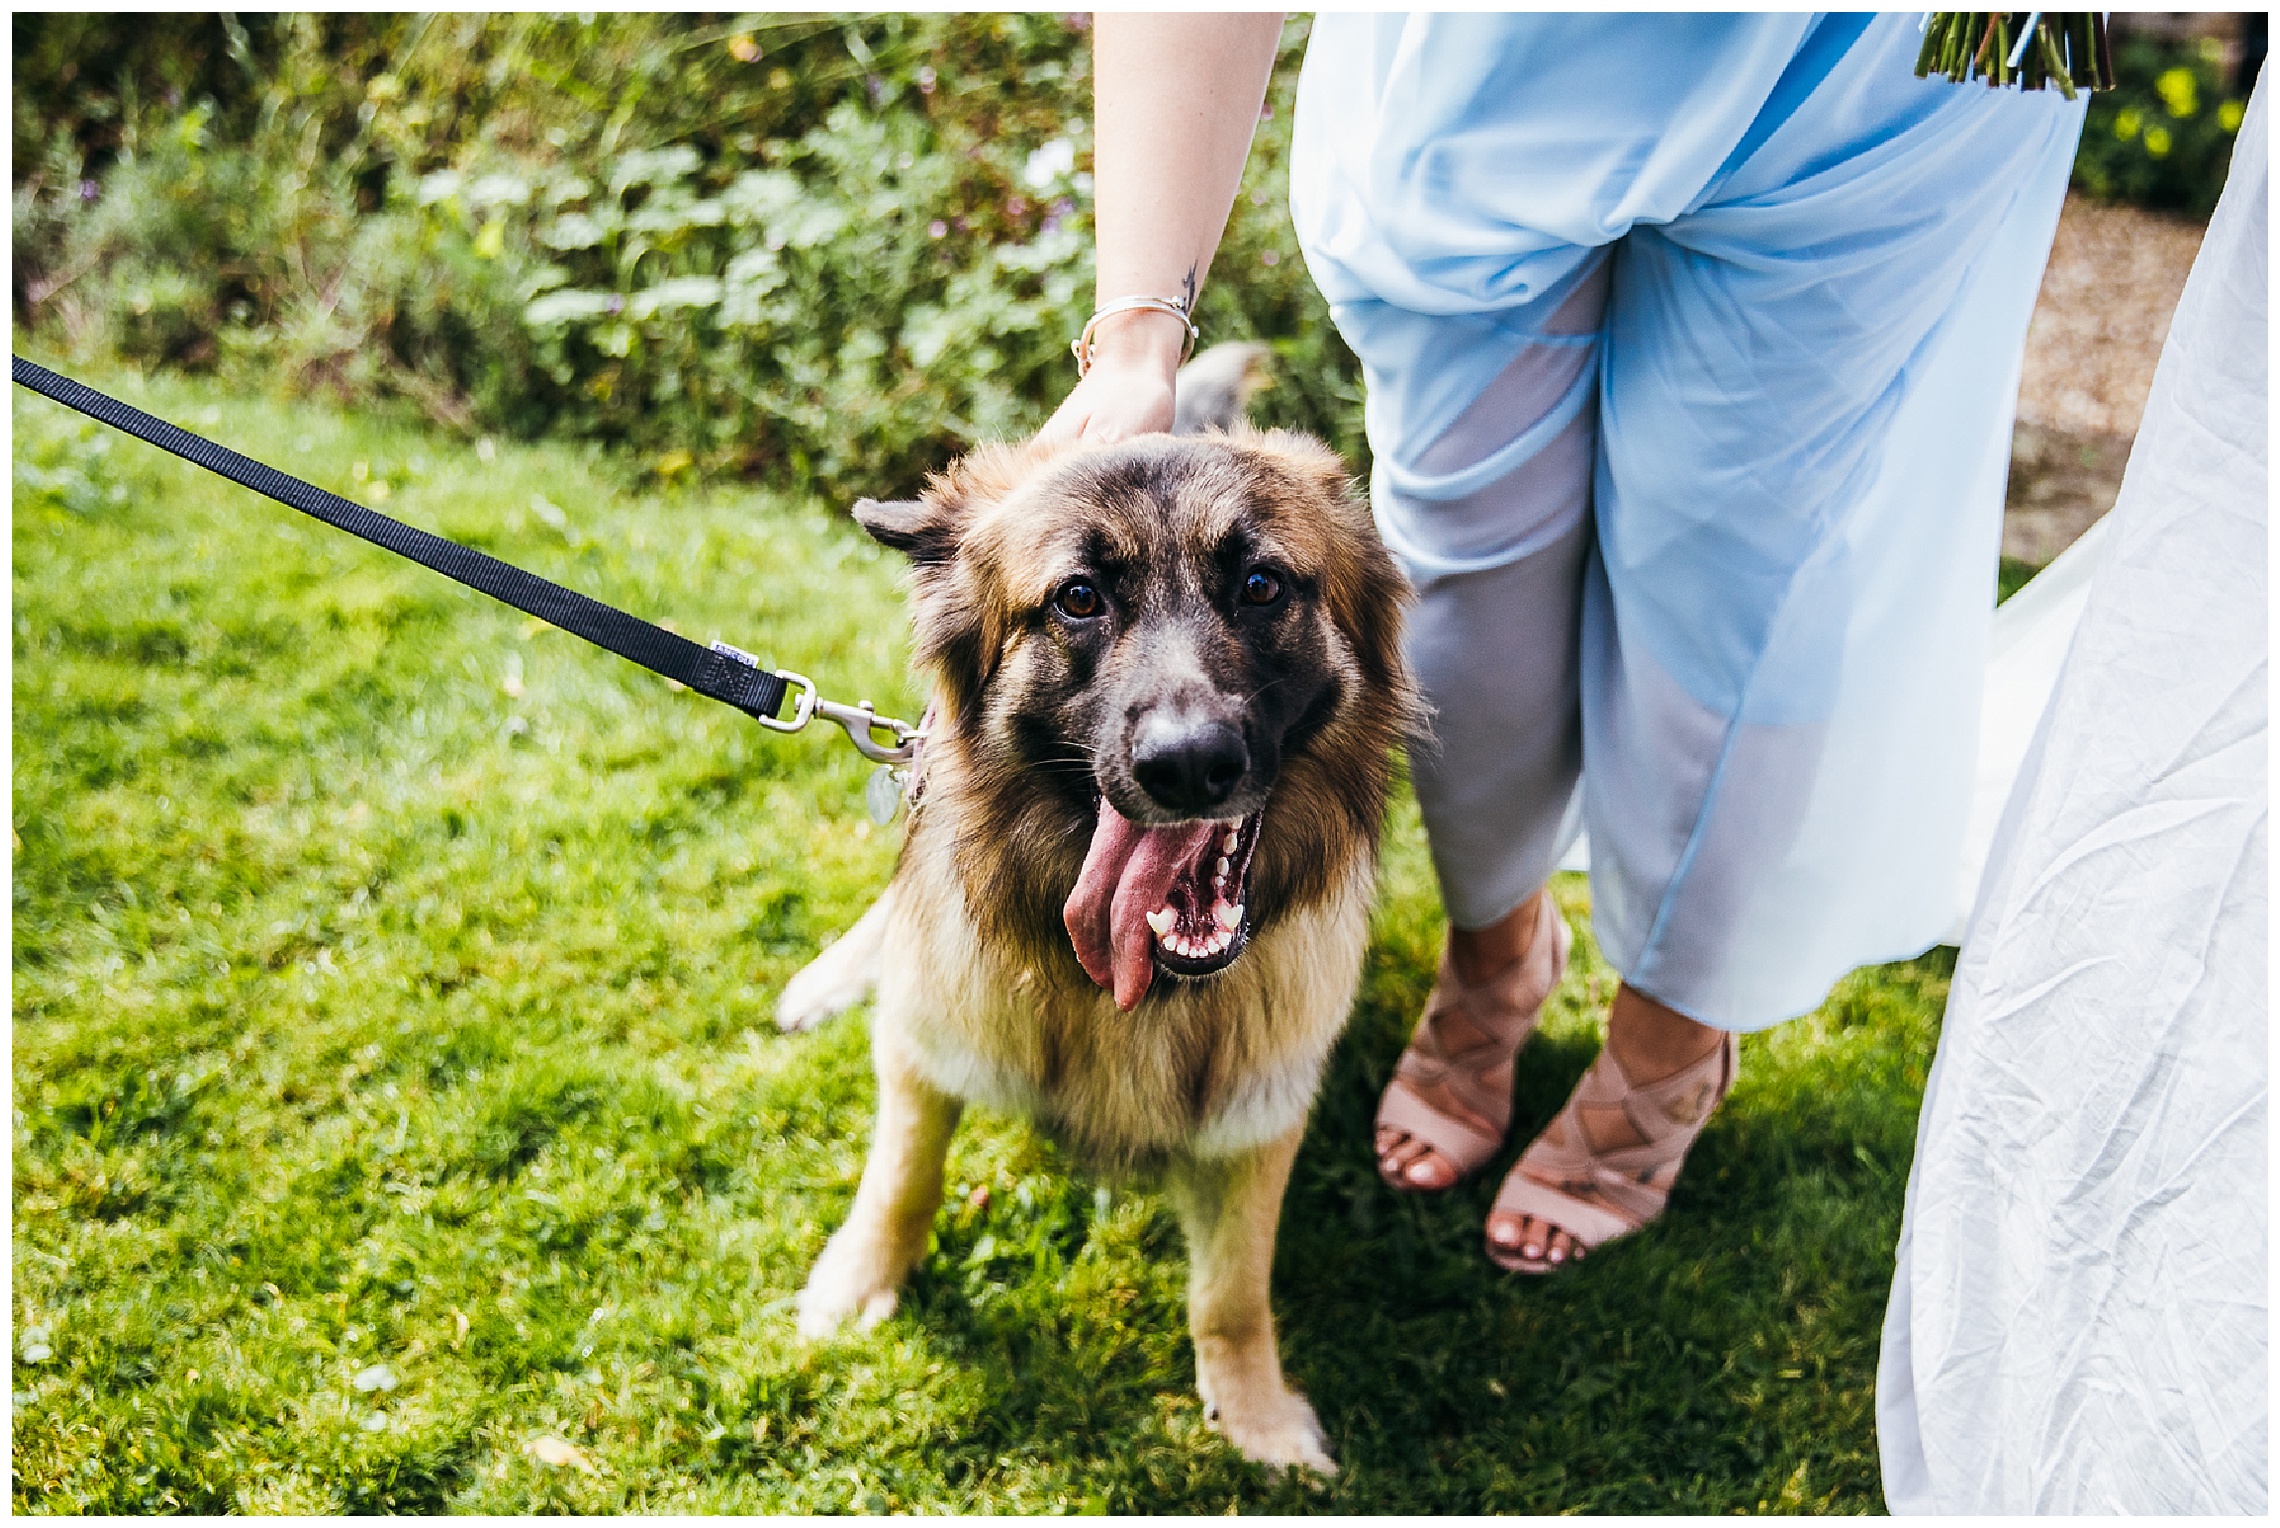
1692,346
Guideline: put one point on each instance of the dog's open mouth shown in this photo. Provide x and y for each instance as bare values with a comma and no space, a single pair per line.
1168,898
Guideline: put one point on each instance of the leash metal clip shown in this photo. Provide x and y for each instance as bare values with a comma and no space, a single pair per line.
861,723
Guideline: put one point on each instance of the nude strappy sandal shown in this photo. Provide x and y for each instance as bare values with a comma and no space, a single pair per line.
1627,1185
1452,1091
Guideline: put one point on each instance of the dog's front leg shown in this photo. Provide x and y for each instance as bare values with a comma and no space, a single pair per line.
886,1232
1228,1207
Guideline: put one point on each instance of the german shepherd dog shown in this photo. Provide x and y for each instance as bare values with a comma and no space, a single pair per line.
1133,898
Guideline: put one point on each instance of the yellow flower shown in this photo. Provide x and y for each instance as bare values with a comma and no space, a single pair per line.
2157,142
2228,116
743,49
2126,123
2179,91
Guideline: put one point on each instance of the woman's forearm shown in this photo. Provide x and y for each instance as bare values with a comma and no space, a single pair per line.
1176,101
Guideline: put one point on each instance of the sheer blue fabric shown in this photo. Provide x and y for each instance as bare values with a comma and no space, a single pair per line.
1803,279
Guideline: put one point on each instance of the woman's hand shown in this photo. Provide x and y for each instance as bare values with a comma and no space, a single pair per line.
1129,390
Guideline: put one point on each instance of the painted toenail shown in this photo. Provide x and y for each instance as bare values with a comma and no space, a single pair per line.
1531,1252
1558,1256
1503,1236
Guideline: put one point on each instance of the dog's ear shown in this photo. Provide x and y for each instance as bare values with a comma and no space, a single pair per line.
1304,458
923,529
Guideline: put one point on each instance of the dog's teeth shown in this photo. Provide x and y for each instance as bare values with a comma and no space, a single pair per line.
1235,916
1227,916
1223,867
1161,921
1227,845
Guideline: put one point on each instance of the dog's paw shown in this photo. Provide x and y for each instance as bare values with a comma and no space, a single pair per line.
843,975
839,1288
824,989
1278,1430
823,1313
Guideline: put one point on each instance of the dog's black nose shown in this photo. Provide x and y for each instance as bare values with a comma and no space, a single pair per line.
1188,767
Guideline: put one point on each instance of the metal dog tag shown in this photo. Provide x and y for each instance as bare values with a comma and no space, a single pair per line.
882,793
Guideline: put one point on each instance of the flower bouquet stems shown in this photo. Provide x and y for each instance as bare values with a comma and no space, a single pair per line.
2029,49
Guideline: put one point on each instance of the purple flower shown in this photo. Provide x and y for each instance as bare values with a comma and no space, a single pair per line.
926,79
1076,21
88,190
616,304
1016,206
876,86
1051,224
1064,205
937,229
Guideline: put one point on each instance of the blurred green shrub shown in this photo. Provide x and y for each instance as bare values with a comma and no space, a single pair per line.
2163,136
831,252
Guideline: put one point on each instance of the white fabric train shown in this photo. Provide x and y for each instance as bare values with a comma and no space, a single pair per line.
2079,1316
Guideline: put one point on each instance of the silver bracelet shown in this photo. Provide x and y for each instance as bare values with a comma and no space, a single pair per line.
1081,346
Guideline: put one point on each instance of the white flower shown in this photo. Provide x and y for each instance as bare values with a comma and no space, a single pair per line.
1049,163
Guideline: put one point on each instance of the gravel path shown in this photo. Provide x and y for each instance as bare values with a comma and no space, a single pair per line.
2114,277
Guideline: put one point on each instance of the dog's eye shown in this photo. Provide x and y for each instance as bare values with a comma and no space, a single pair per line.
1078,600
1261,587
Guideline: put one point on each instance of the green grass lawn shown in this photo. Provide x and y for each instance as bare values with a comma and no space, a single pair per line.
395,1085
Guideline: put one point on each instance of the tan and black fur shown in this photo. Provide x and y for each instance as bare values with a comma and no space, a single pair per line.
1207,1081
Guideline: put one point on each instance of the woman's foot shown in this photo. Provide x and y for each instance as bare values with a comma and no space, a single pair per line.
1444,1113
1604,1166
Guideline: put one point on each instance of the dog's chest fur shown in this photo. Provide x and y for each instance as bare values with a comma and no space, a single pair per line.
1204,1068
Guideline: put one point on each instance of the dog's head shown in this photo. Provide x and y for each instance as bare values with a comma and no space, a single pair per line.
1173,673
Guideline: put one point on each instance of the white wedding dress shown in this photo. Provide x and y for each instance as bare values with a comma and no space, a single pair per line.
2079,1319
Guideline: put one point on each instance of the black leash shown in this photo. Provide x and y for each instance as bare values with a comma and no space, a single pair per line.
719,672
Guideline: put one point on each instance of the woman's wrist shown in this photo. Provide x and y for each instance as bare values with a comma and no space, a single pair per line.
1148,339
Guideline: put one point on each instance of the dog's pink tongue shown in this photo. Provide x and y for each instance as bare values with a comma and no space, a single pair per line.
1128,870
